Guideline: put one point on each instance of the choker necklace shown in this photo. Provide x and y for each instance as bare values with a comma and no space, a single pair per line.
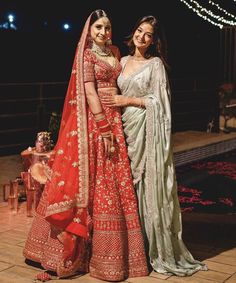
104,52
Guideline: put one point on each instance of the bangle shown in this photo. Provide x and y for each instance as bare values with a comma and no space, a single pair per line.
103,125
141,103
99,116
106,135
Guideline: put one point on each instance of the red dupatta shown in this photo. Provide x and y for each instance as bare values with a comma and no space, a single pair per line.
68,189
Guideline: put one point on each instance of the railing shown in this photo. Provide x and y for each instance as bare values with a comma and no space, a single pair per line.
25,109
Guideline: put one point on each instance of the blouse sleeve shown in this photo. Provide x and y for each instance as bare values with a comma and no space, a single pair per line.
89,63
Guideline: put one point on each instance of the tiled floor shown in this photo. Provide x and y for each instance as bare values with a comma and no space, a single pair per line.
210,238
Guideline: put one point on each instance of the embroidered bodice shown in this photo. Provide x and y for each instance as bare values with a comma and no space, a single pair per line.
99,71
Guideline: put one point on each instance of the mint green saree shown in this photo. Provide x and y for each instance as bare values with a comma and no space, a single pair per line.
148,136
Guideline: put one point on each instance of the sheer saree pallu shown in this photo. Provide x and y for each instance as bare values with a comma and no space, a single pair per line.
148,133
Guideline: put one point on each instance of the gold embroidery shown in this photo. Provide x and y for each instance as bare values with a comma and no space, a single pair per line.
72,101
77,220
60,207
74,164
60,151
72,133
61,183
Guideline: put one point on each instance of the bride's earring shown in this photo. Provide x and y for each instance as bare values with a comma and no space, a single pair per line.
109,42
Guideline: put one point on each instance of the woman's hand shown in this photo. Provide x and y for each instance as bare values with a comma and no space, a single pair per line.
115,100
107,146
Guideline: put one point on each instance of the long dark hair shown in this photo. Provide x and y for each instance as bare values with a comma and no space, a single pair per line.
97,14
159,46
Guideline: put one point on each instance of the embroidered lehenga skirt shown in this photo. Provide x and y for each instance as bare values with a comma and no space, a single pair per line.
116,251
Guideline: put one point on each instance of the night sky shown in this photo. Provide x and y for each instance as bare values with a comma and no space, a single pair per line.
41,51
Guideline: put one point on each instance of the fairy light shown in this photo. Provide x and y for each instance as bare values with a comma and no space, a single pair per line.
200,15
222,10
208,15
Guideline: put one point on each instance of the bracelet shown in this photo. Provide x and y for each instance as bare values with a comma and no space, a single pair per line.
103,124
99,116
142,103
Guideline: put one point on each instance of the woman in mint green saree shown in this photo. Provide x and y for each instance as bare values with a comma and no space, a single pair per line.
146,118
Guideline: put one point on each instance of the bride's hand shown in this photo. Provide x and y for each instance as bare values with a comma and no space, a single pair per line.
115,100
107,146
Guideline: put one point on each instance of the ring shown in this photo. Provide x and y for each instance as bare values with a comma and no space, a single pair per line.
112,149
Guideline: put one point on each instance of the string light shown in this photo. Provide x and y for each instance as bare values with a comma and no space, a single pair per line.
211,17
210,13
221,9
200,15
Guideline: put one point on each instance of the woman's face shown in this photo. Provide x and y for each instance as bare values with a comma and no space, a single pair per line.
143,36
100,31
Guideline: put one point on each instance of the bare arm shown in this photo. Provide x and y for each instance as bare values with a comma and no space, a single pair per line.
122,101
92,98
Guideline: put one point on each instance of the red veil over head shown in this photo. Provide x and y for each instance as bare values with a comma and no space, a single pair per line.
67,191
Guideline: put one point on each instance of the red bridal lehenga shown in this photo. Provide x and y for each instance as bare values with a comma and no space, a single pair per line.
87,219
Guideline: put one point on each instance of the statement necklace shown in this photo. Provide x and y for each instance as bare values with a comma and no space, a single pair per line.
104,52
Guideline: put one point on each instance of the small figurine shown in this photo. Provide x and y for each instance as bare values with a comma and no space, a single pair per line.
43,142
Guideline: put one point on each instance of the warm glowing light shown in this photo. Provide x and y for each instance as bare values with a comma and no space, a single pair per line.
210,16
221,9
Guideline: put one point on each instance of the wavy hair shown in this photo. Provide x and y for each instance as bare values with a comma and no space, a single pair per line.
159,46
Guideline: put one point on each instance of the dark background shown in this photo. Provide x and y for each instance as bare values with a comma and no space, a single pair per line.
36,61
41,51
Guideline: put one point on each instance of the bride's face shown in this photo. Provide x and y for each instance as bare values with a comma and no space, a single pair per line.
100,31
